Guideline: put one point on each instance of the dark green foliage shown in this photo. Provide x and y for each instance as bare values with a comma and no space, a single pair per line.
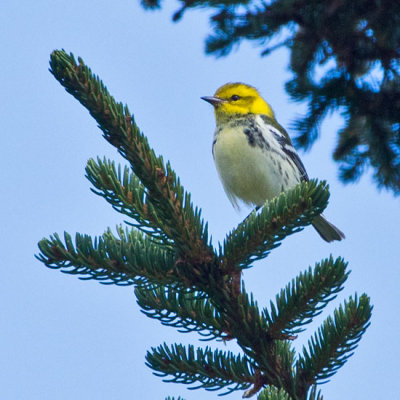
207,369
305,297
335,340
345,56
258,234
272,393
124,260
173,398
182,223
183,282
126,194
186,310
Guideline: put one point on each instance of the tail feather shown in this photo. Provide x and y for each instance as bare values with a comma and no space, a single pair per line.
326,230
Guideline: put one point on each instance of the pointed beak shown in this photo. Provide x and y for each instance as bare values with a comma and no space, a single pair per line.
215,101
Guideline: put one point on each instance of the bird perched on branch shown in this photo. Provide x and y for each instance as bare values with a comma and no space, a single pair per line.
254,155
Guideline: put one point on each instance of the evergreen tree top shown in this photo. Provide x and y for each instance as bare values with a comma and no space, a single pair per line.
183,281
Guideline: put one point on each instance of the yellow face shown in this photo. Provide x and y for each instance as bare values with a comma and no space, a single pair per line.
238,98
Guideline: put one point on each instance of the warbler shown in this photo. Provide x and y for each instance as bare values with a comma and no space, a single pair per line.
253,153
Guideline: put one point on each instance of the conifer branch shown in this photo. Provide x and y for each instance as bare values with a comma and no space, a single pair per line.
173,398
272,393
334,342
305,297
245,323
334,70
127,195
186,310
243,317
210,370
314,394
174,207
129,259
288,213
181,281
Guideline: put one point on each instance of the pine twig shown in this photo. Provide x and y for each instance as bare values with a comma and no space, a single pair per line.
305,297
208,369
126,194
333,343
126,260
186,310
286,214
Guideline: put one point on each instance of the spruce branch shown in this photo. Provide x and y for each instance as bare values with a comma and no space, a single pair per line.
334,342
174,207
212,370
313,394
131,258
242,314
186,310
126,194
288,213
173,398
273,357
317,108
305,297
272,393
181,281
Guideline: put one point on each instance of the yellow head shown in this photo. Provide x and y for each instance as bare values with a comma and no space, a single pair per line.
238,98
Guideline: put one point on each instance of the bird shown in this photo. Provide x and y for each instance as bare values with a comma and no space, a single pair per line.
253,153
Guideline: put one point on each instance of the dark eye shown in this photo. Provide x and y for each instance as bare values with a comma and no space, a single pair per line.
235,97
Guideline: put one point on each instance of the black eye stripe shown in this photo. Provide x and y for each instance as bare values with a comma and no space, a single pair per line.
235,97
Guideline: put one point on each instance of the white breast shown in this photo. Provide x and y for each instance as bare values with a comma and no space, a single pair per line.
249,173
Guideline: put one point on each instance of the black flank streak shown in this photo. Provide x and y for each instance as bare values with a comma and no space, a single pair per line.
264,144
250,136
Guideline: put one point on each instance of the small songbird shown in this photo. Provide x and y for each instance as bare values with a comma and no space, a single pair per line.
254,155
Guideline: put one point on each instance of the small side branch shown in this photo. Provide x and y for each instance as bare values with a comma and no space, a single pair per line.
284,215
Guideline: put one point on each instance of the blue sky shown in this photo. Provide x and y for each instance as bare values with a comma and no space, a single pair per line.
61,338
